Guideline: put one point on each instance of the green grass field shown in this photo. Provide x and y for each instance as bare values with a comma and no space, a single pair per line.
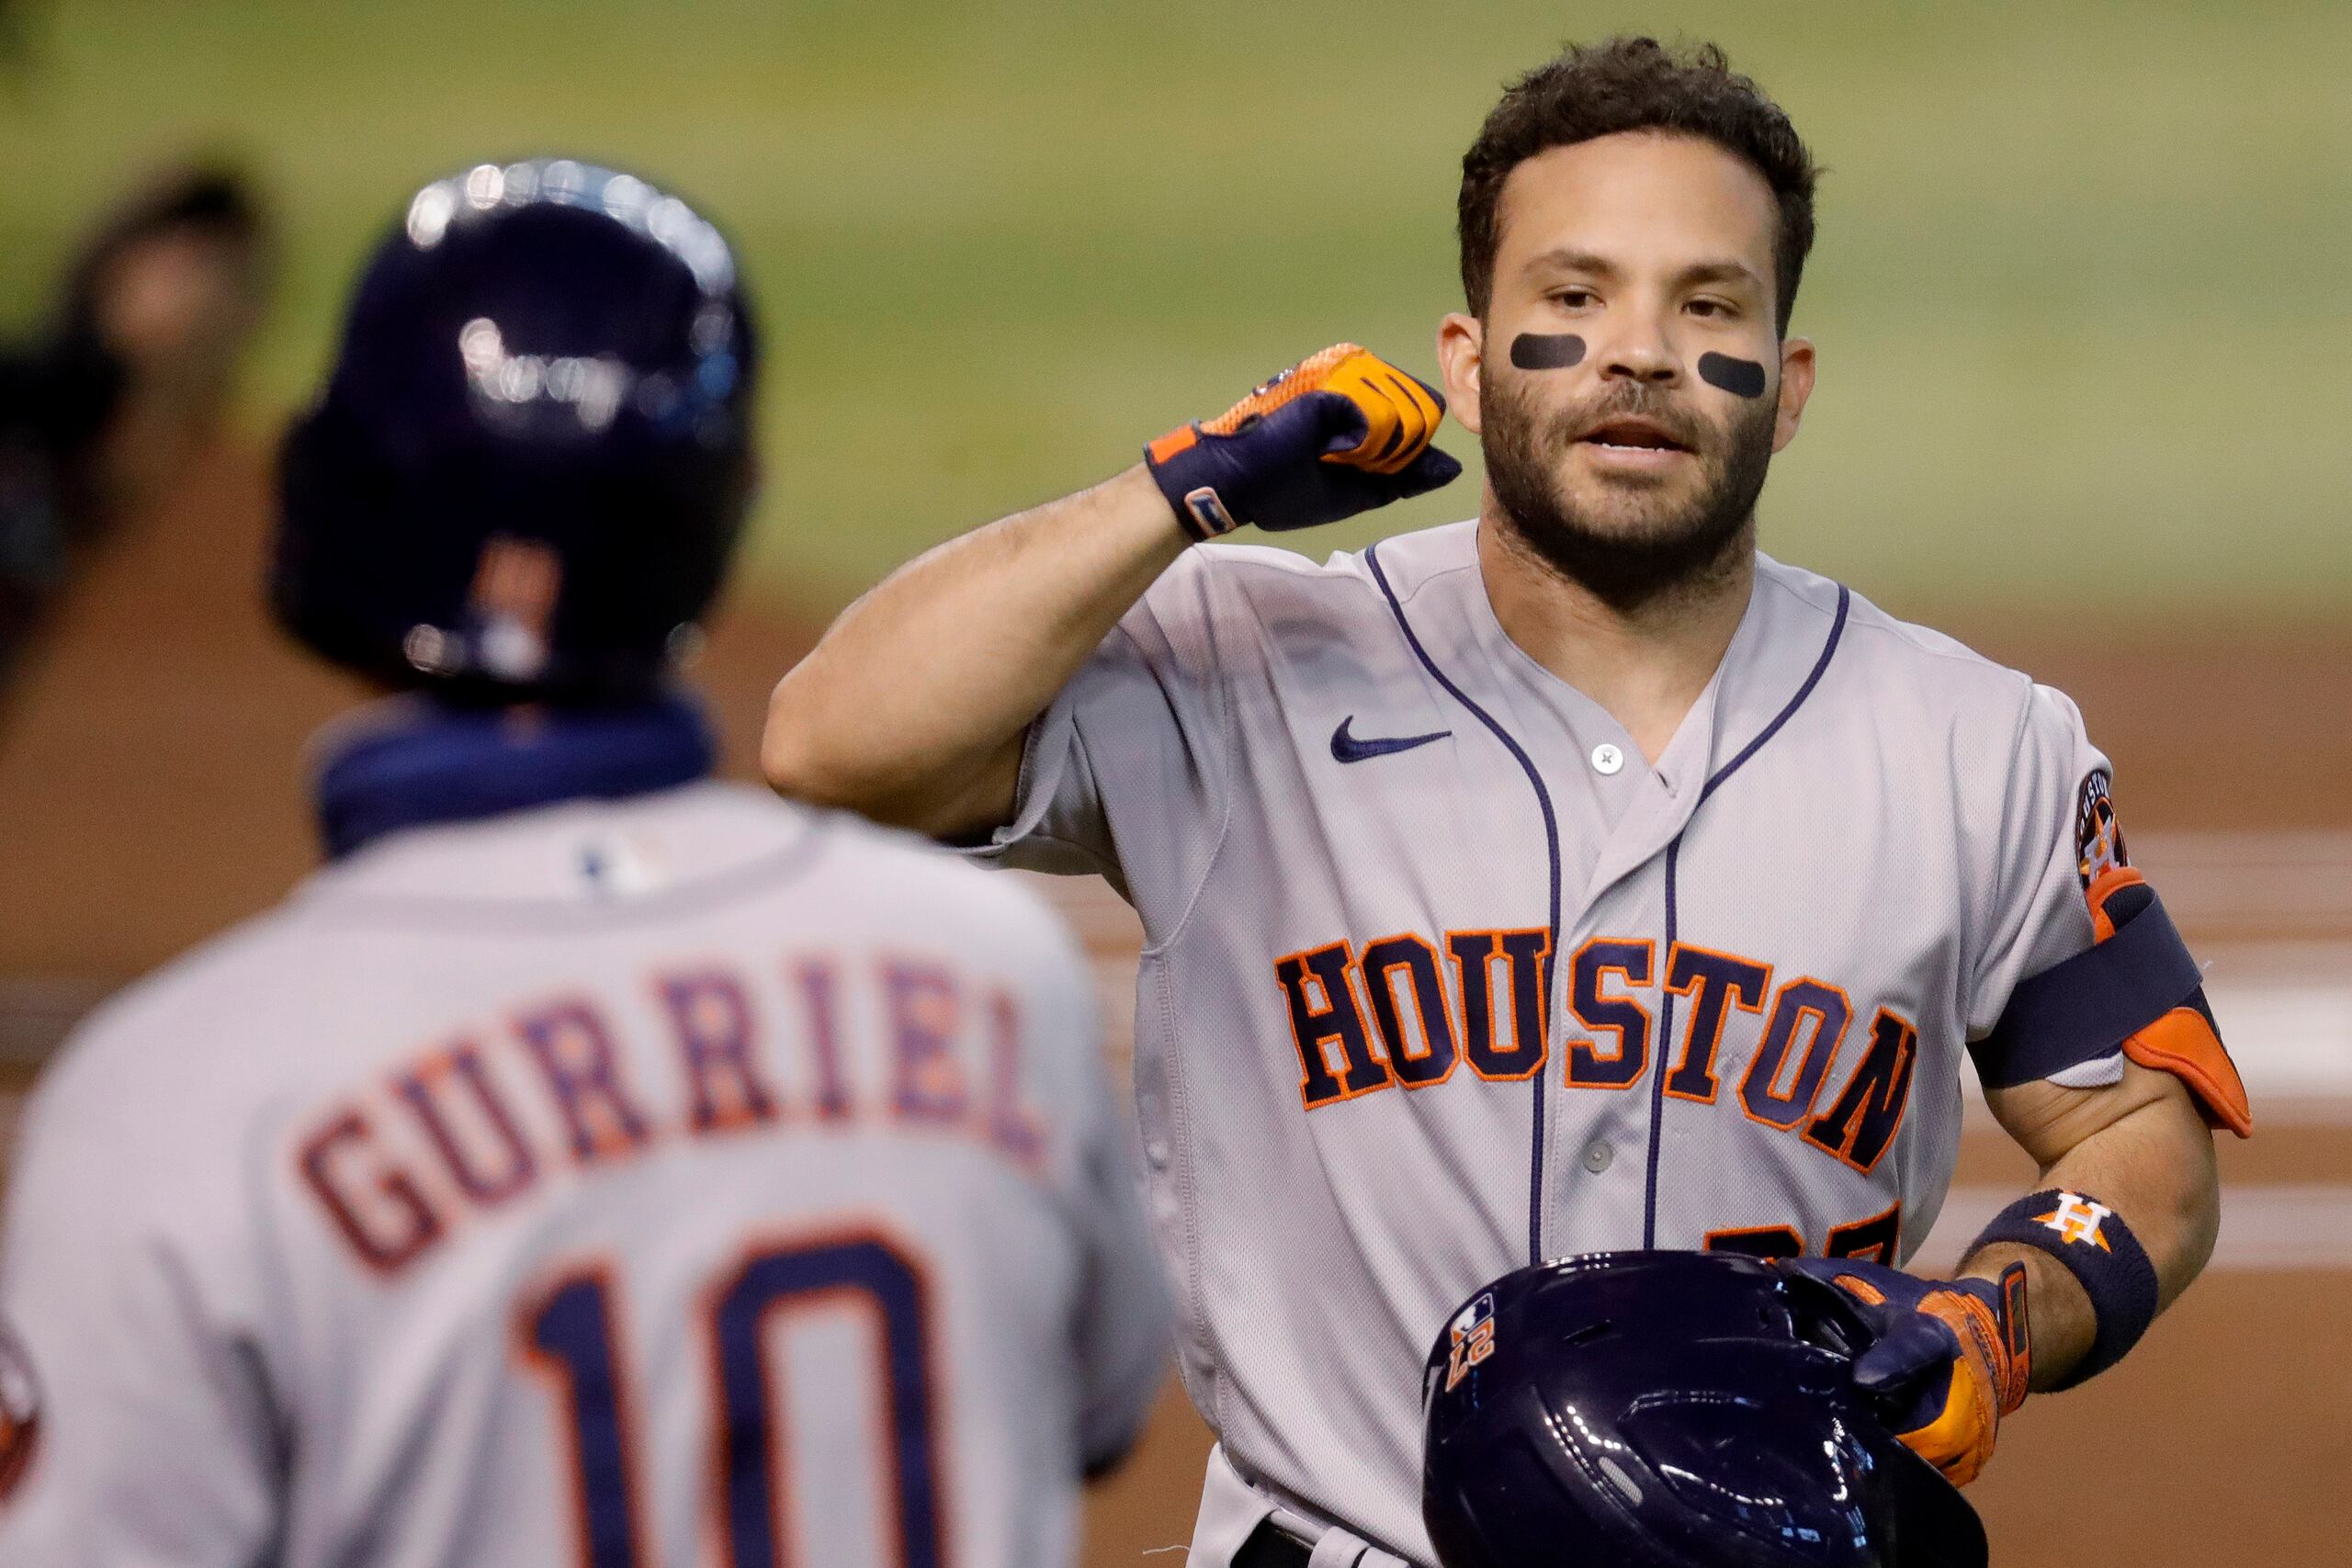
2086,340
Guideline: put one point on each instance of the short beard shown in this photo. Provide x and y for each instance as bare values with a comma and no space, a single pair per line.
1625,568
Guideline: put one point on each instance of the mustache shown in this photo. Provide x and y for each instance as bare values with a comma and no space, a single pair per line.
1634,400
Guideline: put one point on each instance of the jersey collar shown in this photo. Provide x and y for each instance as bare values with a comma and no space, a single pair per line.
412,762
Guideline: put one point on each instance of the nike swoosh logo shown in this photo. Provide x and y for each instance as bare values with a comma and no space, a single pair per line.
1346,747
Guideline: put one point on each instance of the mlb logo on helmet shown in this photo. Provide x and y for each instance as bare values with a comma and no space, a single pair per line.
2078,1219
20,1413
1472,1335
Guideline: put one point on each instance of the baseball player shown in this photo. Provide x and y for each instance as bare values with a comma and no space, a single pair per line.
1570,878
593,1164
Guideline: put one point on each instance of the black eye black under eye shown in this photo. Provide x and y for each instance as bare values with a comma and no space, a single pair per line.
1546,351
1740,378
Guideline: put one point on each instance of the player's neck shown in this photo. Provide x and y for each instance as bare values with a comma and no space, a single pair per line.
1645,664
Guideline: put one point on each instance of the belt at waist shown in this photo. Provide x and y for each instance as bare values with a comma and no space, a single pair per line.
1270,1547
1241,1526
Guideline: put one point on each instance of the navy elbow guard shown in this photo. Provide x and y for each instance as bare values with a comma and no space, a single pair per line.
2135,990
2094,1245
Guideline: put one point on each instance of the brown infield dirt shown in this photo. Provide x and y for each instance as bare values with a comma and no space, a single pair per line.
151,769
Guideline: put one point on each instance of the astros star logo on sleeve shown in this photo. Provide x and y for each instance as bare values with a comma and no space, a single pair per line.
2098,837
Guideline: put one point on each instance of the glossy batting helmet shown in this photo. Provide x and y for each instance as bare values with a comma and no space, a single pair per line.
1672,1410
533,457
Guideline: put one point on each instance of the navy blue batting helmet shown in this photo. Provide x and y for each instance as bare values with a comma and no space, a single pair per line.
1672,1410
533,457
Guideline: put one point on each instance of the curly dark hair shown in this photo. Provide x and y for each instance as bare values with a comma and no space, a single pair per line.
1635,84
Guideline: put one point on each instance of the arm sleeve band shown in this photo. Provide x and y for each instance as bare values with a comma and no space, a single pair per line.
2086,1007
2137,990
2099,1249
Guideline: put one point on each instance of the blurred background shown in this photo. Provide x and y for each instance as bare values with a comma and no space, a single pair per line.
2085,402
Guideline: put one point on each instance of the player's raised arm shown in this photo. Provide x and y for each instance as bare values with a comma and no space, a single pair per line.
912,708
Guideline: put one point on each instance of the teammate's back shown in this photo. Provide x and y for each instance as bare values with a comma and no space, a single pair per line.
594,1165
598,1182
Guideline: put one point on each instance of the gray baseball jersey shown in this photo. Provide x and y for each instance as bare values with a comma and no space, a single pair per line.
1442,976
690,1178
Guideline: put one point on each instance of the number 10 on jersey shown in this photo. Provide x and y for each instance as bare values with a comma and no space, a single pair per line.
570,1332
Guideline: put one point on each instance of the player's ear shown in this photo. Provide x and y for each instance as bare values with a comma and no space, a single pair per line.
1796,385
1461,348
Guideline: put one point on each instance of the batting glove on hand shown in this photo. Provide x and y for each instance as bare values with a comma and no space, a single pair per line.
1338,434
1951,1357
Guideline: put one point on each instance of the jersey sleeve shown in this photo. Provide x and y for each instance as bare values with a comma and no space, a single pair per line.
1123,774
138,1416
2057,831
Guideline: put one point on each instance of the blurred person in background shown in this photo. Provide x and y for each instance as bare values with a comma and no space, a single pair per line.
592,1162
109,401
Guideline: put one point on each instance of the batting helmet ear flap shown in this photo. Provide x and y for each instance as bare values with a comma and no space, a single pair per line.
329,585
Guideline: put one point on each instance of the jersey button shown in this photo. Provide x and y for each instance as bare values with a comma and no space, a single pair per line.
1597,1156
1607,759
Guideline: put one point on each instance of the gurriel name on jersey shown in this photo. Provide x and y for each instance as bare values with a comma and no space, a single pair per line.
473,1120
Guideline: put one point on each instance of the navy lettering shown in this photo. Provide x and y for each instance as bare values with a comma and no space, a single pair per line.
1819,1013
574,1049
418,1087
819,988
924,1009
1875,1238
712,1018
1424,1053
1014,1125
1336,1020
1527,977
1861,1125
1349,1021
1757,1241
1714,982
1624,1062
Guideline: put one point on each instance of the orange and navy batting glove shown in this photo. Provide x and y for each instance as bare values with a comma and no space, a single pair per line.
1335,435
1951,1357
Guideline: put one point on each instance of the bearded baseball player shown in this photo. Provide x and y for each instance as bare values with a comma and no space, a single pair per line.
593,1164
1570,878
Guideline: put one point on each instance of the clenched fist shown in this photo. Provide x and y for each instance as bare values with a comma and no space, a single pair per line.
1335,435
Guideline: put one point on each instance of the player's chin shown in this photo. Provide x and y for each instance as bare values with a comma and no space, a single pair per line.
1632,505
